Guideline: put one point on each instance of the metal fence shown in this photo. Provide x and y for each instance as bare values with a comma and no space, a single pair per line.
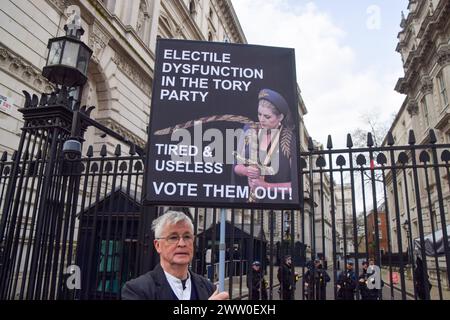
389,201
63,215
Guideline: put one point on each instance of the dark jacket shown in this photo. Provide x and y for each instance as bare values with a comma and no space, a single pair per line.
366,293
317,279
257,285
287,283
154,286
420,282
348,283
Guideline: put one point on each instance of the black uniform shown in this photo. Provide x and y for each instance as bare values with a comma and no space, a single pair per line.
317,279
420,282
286,278
347,281
258,285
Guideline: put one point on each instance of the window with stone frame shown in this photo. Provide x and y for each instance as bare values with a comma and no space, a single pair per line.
434,220
143,20
192,8
401,197
442,90
411,183
166,28
426,118
415,229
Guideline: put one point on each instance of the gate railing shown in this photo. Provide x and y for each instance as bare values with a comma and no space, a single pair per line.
388,201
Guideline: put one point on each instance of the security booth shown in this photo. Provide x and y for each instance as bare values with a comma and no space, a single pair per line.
243,246
107,251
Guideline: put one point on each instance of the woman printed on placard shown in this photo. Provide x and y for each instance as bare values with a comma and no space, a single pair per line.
265,150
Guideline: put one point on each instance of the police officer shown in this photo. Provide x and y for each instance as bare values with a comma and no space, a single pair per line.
321,278
346,283
315,281
285,276
363,290
308,281
258,284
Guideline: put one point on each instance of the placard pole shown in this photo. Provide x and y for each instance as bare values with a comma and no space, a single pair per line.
222,251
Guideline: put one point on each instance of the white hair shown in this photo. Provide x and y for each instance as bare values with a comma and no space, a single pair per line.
170,218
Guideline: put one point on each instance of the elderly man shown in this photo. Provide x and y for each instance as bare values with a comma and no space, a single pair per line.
172,279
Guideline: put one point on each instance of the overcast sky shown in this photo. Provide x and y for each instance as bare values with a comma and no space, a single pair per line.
346,61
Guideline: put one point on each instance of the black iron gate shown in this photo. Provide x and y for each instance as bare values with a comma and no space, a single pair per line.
64,215
393,208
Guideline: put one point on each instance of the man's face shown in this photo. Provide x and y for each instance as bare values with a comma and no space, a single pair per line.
349,267
288,261
180,252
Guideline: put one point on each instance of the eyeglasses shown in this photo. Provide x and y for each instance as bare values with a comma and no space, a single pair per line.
175,238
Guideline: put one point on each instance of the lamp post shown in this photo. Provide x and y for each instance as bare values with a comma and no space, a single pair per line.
66,66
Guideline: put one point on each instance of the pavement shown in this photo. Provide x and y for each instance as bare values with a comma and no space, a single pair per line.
444,294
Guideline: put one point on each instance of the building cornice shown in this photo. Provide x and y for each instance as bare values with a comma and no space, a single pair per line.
416,11
24,71
124,132
409,81
401,85
227,8
433,21
132,71
426,85
99,38
443,122
59,5
416,61
186,19
412,107
443,54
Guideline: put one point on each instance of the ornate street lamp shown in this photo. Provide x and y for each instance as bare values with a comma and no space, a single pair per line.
67,65
68,57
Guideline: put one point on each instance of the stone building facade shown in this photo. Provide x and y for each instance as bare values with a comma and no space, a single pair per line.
424,45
